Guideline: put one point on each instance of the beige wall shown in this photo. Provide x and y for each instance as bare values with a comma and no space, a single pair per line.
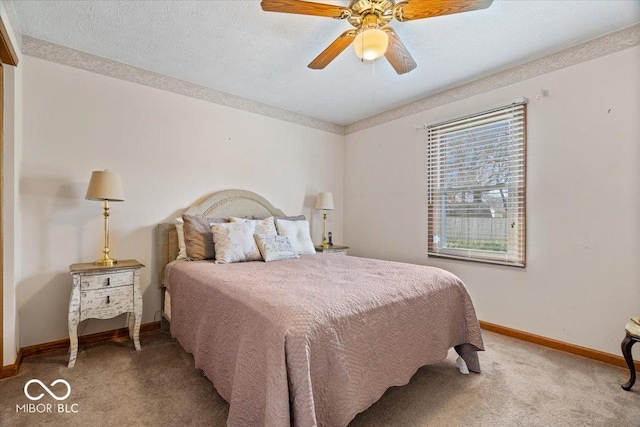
582,281
171,150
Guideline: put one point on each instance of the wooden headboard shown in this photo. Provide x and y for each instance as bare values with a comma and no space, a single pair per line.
222,204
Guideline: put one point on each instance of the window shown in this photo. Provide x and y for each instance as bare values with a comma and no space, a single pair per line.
476,184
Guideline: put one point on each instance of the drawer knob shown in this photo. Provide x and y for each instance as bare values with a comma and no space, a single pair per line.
108,281
108,301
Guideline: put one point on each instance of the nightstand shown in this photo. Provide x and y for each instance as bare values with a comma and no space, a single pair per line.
102,293
334,249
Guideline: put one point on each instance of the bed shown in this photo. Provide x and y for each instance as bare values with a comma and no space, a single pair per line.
310,341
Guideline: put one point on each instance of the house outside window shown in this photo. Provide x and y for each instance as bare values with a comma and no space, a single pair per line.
476,183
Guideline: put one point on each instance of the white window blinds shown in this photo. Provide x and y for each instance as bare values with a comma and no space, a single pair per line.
476,184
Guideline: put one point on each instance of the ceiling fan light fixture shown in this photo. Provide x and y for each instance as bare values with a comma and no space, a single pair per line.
371,44
372,36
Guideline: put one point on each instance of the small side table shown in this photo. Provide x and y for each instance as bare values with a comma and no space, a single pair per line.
333,249
633,336
102,293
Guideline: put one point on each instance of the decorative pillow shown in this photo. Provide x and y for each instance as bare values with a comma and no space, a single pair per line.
263,226
182,249
274,248
298,234
234,242
198,239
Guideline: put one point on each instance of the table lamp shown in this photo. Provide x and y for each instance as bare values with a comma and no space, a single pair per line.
324,202
105,186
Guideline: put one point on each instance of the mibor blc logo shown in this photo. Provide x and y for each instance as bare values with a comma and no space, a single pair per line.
58,393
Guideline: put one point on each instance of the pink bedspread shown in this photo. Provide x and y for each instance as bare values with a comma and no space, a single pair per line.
316,340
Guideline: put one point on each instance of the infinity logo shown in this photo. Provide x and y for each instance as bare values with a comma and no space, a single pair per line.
45,388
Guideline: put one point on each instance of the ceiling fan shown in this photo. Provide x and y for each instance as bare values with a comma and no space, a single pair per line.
372,37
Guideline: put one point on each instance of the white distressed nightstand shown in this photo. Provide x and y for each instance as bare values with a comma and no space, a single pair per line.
335,249
102,293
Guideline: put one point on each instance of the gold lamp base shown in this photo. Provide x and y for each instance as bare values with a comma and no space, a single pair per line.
325,242
106,262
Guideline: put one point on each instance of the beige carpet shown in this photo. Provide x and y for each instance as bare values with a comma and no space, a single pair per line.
521,385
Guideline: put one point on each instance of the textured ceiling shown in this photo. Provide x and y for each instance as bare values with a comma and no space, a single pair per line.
235,47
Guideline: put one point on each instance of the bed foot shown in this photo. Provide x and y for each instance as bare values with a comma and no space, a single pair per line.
462,366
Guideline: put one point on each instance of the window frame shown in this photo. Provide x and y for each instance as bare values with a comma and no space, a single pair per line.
435,189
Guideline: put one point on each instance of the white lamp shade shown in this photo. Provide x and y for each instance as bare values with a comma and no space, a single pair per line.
105,185
324,201
371,44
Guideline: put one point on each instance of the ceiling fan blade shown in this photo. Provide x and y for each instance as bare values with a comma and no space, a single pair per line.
419,9
397,54
334,49
305,8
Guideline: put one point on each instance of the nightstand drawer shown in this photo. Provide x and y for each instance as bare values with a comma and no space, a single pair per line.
106,303
105,281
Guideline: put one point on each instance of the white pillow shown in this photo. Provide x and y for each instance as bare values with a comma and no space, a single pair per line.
298,234
263,226
234,242
274,248
182,248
